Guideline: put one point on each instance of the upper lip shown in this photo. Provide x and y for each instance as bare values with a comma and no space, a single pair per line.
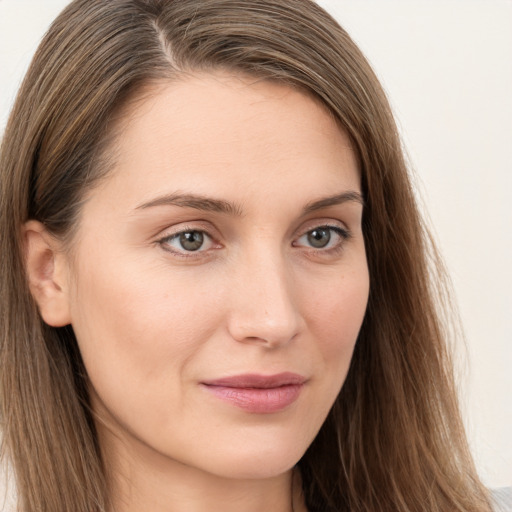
253,380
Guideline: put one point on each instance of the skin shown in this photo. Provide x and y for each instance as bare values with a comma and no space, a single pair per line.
154,321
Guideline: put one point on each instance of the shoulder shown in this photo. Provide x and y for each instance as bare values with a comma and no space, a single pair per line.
502,499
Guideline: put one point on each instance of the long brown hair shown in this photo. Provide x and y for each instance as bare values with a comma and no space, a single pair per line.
393,440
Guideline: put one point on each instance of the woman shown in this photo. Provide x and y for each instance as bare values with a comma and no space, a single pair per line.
217,292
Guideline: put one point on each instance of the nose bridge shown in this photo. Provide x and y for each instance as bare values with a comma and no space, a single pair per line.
264,309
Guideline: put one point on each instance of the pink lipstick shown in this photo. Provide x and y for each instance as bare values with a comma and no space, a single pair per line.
261,394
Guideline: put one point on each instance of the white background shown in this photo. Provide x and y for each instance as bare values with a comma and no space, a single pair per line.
447,67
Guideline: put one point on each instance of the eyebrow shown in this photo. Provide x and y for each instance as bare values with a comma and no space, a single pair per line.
344,197
199,202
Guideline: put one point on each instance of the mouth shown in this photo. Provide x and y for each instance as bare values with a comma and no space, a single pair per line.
261,394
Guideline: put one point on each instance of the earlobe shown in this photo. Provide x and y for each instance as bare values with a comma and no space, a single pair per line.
46,269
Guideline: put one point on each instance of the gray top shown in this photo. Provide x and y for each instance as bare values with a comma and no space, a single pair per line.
502,499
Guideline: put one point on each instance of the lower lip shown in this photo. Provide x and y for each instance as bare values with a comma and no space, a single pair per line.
258,400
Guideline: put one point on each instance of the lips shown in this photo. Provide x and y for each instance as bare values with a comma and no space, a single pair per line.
255,393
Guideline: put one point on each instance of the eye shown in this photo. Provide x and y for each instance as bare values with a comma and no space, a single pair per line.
323,237
187,241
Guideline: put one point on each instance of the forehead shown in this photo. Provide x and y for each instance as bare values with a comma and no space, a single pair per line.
204,129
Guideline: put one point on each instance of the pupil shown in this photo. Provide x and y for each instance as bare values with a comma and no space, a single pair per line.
192,240
319,237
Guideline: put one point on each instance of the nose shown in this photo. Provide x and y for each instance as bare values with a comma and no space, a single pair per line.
263,307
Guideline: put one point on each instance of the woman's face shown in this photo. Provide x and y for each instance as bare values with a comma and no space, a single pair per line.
218,279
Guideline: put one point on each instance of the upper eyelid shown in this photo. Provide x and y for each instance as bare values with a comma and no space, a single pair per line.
176,234
308,226
341,232
184,227
213,233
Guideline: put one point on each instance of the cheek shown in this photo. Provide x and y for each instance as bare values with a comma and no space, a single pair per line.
336,313
144,306
335,319
137,331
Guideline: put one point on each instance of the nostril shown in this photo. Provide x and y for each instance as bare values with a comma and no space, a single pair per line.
275,329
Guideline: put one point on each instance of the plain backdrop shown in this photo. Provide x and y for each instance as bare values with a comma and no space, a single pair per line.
447,68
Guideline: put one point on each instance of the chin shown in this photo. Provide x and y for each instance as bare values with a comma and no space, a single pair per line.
256,468
260,462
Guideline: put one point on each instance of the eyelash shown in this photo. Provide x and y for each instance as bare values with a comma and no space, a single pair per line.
342,233
165,243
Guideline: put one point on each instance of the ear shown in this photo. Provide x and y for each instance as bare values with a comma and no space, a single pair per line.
47,271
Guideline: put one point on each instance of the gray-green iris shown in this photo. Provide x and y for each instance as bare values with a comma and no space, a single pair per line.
191,240
319,237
